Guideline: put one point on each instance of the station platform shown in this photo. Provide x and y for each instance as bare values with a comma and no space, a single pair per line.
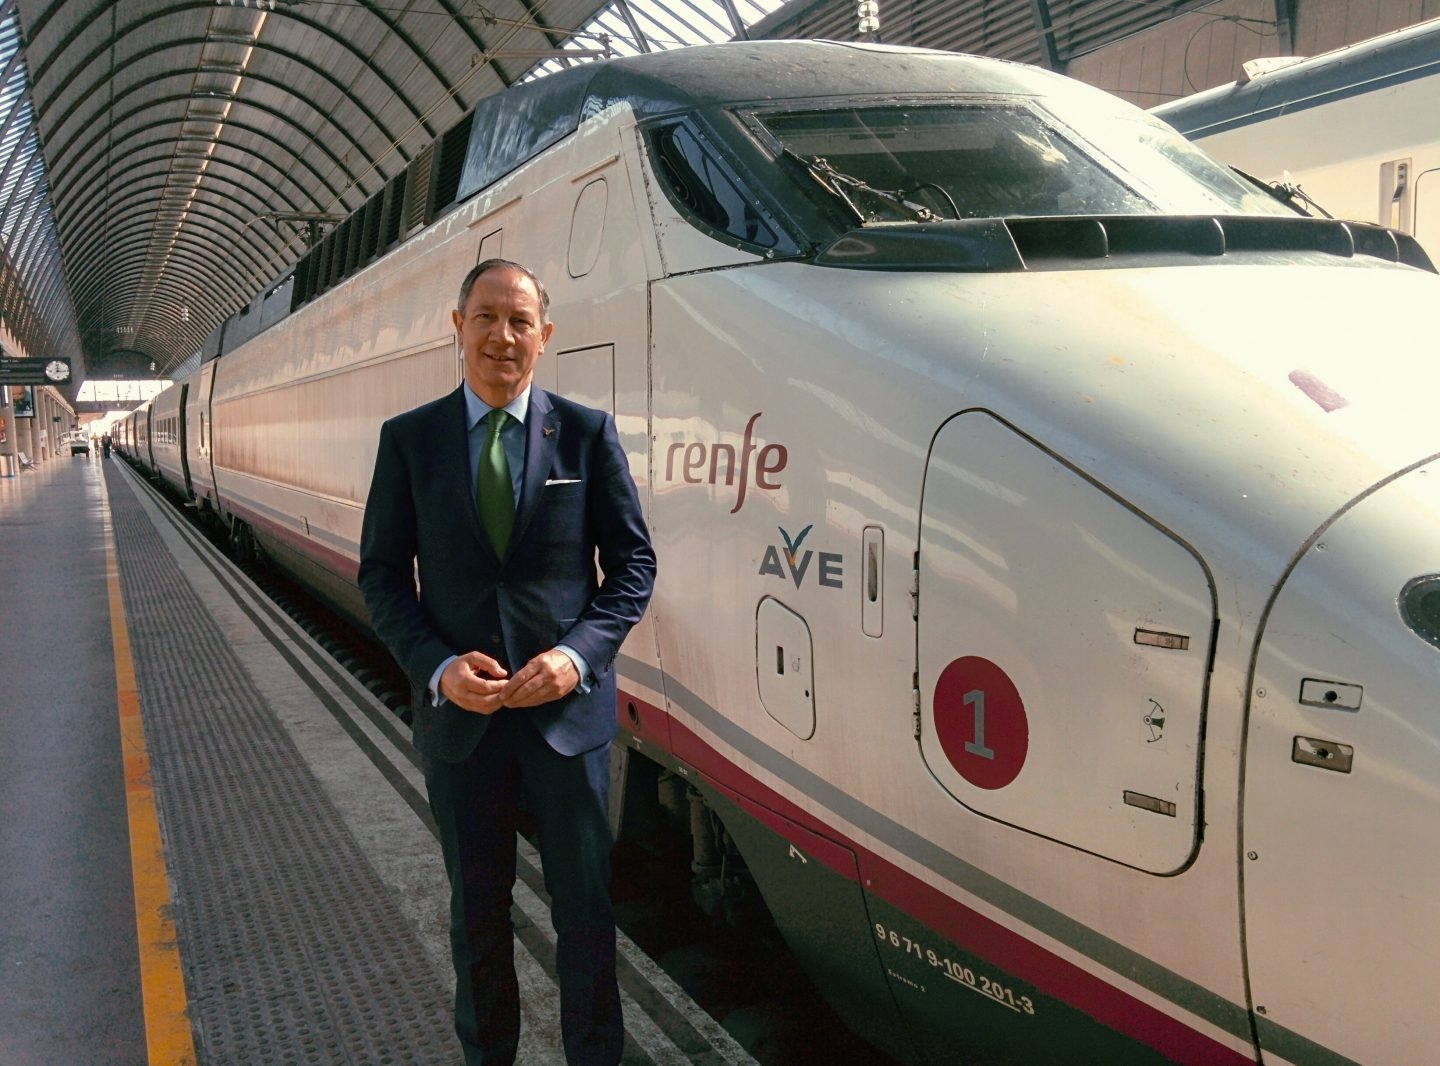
215,844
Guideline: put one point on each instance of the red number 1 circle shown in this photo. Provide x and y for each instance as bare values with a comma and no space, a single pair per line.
980,720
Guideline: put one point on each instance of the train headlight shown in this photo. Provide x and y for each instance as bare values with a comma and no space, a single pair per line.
1420,607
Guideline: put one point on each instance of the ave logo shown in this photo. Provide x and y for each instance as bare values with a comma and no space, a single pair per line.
791,563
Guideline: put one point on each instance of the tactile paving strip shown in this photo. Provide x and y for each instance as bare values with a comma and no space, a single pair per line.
293,950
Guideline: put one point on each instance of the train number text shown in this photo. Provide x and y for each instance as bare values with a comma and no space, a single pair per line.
962,975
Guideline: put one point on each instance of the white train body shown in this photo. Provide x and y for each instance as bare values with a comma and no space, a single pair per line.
1030,592
1353,128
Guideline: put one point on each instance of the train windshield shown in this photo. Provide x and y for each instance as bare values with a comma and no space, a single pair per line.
1179,177
959,160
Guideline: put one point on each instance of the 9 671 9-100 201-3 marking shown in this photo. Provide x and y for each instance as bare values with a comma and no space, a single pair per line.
961,974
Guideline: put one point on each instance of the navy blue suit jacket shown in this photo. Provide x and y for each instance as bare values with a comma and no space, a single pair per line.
577,506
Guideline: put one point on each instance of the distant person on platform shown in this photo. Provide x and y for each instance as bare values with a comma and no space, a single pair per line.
105,446
504,496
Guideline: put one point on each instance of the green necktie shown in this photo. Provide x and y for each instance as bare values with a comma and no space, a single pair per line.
494,495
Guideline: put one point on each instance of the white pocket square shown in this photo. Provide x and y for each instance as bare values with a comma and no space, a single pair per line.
562,481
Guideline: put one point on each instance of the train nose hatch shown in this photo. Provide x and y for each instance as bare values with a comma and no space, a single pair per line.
1342,759
1064,646
784,667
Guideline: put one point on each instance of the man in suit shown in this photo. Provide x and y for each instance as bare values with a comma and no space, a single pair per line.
509,641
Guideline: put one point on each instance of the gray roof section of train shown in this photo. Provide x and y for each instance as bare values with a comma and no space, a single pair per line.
1395,58
523,121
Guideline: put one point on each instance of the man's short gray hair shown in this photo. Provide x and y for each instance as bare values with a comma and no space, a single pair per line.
493,264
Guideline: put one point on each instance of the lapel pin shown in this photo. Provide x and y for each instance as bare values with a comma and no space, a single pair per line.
548,431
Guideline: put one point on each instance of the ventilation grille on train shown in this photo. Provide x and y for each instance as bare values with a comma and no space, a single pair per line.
418,176
1074,243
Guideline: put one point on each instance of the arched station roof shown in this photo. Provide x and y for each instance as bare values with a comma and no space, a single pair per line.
161,161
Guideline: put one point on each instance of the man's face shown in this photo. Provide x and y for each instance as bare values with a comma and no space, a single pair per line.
501,334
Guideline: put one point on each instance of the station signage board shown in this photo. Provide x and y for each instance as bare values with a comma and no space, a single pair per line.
40,371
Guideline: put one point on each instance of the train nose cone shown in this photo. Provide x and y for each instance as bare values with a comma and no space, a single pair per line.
1341,816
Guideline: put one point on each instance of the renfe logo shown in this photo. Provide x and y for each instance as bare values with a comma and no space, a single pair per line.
831,564
701,464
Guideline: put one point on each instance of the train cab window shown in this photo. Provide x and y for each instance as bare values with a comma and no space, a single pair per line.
978,158
951,161
705,188
1175,175
1165,159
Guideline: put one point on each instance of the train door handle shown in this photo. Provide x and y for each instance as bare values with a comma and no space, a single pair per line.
1326,754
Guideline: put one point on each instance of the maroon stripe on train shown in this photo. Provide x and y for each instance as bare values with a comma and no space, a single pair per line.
1002,947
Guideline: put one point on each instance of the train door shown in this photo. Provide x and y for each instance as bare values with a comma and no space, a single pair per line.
183,440
491,246
600,290
143,452
1341,850
1064,644
587,375
197,441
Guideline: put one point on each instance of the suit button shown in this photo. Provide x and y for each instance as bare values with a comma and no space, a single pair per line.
495,639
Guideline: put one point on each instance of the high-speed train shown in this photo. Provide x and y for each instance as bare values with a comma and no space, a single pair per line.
1049,595
1354,129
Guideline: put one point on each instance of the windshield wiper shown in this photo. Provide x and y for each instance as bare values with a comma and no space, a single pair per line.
842,185
1287,192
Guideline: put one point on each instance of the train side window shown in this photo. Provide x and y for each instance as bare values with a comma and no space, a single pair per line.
701,185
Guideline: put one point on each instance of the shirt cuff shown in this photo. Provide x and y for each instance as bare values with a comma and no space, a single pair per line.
581,667
434,691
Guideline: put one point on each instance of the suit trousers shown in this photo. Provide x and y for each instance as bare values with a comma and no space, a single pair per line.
476,803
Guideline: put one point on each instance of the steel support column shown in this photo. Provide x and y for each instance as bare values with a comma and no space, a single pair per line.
1045,27
1285,25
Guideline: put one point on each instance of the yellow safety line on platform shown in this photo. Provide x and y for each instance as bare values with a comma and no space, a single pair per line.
167,1026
